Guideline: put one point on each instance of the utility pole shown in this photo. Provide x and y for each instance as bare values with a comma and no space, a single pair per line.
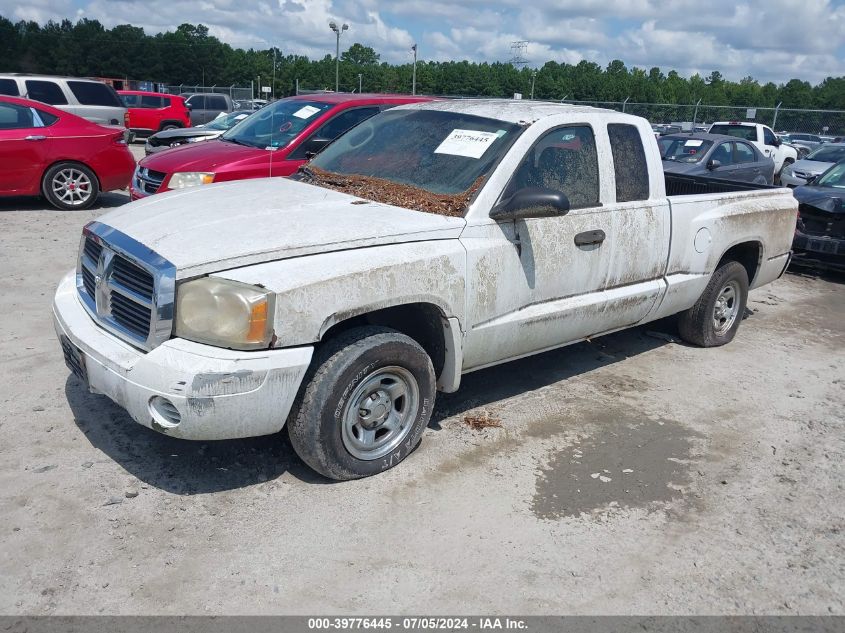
533,77
338,31
359,83
414,75
273,89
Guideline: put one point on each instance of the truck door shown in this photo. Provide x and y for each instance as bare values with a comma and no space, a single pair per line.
556,280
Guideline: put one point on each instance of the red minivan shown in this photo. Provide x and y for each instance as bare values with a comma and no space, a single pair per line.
274,141
151,112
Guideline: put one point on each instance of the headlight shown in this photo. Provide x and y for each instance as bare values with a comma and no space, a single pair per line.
185,179
224,313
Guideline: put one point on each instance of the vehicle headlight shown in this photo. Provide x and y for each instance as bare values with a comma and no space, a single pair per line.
194,139
185,179
224,313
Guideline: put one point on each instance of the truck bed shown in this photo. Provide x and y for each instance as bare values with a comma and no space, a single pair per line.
680,185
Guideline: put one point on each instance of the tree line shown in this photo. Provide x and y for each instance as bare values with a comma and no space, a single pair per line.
189,55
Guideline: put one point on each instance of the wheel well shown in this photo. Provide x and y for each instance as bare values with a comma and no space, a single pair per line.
748,254
423,322
75,162
162,125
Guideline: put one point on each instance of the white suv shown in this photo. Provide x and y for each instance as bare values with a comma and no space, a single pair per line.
90,99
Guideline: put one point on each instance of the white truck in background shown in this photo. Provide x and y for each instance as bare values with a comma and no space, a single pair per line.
763,137
432,240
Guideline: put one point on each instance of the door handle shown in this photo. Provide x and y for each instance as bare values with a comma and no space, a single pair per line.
34,138
590,237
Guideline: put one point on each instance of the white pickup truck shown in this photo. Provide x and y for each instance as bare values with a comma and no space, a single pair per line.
763,138
430,241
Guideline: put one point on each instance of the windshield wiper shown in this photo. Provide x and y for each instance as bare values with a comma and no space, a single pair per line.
237,141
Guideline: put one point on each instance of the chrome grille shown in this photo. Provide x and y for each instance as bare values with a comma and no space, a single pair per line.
148,181
126,287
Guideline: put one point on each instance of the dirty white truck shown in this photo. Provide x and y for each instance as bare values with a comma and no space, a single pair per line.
430,241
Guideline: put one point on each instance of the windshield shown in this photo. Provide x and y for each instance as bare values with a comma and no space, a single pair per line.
684,150
226,121
833,177
746,132
276,125
434,151
827,154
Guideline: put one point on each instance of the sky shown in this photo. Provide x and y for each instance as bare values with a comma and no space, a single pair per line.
771,40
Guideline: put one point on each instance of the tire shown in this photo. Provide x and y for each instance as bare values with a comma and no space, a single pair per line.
716,316
370,369
70,186
169,126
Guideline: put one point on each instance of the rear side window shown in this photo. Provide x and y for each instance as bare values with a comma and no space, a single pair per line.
131,101
45,91
15,117
216,103
93,93
744,154
629,162
9,87
564,160
150,101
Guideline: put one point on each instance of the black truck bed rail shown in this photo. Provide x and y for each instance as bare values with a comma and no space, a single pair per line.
680,185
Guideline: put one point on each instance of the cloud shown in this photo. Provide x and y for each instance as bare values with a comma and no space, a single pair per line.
768,39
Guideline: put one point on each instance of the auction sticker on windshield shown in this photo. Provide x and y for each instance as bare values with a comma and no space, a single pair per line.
469,143
306,112
693,143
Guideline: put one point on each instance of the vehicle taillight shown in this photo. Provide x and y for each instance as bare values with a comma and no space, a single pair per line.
121,138
126,119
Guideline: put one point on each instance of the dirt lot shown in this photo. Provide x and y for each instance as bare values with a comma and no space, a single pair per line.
632,474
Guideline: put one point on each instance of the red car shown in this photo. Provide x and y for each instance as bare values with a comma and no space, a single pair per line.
274,141
151,112
65,158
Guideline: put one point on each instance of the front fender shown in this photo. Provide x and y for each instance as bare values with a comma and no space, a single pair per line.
315,292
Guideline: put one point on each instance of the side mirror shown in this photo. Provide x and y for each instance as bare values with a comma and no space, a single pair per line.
810,180
189,106
713,164
531,202
314,146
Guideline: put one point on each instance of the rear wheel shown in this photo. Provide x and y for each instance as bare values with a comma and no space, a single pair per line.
70,186
169,126
716,316
367,400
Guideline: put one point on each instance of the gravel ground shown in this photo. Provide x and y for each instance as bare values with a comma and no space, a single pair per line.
629,475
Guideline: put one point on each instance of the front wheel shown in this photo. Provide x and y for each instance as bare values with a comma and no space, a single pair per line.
70,186
716,316
367,400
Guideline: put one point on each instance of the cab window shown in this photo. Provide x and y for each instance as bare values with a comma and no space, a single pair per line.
723,154
564,160
744,153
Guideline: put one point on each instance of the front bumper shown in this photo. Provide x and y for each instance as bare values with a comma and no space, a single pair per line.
218,393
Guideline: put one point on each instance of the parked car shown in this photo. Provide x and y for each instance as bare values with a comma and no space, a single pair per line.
431,240
763,139
717,156
92,100
250,104
804,143
275,141
817,162
205,132
205,107
820,233
67,159
151,112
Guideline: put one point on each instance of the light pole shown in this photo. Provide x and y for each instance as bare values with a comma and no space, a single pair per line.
533,77
414,75
359,83
337,31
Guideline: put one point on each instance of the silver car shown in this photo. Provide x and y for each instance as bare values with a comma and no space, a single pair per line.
90,99
817,162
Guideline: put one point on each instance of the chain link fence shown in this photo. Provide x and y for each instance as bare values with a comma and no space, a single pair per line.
821,122
237,93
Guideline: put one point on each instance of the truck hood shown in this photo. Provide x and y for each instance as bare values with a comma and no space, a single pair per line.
228,225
